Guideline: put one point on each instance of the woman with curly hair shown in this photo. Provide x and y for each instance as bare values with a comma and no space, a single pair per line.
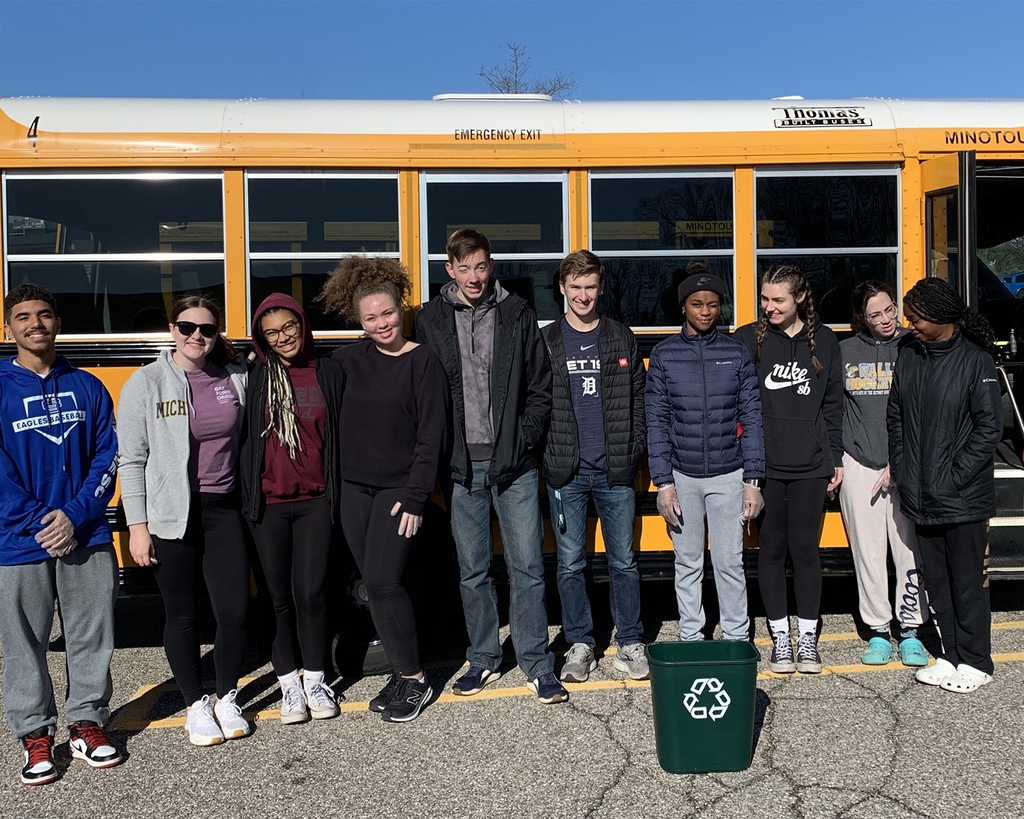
290,476
944,425
393,421
799,371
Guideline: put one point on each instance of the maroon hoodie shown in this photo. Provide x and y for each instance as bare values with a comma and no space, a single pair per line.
283,478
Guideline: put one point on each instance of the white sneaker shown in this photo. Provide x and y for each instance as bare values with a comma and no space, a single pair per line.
322,701
232,724
293,704
201,724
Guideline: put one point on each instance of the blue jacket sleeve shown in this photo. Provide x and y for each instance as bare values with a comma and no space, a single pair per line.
98,487
20,511
749,413
659,421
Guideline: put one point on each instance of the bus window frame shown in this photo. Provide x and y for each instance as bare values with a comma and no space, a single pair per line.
667,173
314,256
841,169
153,256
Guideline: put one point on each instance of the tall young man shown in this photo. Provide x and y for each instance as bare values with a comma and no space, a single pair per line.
58,451
498,371
594,444
706,454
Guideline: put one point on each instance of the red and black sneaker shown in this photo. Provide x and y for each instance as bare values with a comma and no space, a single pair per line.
39,768
89,742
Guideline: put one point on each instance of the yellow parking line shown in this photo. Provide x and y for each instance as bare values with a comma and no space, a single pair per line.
129,718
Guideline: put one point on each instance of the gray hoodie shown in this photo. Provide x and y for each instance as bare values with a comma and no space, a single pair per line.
475,329
153,433
868,367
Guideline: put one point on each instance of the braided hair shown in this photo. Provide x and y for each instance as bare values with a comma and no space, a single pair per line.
798,285
936,301
282,414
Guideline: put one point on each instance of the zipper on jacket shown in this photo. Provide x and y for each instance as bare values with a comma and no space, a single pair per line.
704,387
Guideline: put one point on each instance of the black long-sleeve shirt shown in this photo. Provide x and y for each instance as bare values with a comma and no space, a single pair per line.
393,420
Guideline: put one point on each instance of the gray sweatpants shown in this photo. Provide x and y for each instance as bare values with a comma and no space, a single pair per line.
721,499
85,585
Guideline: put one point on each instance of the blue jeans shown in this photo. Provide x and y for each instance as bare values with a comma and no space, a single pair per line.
616,509
522,535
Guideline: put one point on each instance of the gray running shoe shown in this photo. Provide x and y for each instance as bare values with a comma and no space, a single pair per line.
632,660
579,662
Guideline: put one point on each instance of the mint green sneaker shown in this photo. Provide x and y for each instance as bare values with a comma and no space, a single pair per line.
879,652
912,653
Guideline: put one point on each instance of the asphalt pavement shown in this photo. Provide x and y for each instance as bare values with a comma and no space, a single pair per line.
855,741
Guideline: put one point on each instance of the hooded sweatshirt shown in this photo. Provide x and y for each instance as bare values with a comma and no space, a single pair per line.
868,366
803,410
153,421
59,451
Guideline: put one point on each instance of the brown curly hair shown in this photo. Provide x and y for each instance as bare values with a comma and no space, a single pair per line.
358,277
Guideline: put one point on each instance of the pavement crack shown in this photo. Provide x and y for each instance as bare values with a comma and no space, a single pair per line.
627,755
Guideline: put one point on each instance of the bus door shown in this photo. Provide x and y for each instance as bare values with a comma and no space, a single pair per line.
974,239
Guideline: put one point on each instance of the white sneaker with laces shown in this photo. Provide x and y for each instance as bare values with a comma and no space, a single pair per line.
293,703
232,724
201,724
322,701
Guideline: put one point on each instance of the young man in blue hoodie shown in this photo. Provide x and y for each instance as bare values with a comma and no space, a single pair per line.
58,451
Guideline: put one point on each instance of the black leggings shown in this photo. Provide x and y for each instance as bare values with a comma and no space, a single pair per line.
792,522
213,547
381,555
294,542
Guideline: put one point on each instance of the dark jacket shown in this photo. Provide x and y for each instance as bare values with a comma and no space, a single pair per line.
802,409
944,425
520,386
329,376
701,390
622,404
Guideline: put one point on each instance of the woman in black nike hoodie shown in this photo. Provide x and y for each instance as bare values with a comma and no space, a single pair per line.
799,372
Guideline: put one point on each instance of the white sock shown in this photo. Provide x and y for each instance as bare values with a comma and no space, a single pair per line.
779,626
806,626
289,679
311,678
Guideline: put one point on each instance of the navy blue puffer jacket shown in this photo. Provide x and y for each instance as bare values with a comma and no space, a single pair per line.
701,390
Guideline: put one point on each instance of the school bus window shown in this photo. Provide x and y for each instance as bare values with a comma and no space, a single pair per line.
323,214
301,279
104,296
643,291
833,278
302,223
524,219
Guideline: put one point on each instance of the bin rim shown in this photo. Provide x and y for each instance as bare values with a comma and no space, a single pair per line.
752,659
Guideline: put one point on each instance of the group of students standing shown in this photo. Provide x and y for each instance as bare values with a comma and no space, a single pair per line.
760,425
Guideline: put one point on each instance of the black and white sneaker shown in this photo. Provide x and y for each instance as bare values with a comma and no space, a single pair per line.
781,661
387,693
89,742
39,768
808,660
410,698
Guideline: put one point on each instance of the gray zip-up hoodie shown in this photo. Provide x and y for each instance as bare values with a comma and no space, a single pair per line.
868,367
475,328
152,430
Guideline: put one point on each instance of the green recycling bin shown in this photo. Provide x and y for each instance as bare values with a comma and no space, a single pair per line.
703,695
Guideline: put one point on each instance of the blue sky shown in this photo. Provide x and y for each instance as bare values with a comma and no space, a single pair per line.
413,50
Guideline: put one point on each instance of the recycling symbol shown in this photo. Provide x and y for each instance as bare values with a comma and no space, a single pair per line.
711,685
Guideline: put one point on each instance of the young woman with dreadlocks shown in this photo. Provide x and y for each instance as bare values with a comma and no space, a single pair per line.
393,421
799,371
944,426
290,481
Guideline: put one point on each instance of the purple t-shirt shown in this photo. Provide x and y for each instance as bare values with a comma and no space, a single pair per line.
212,430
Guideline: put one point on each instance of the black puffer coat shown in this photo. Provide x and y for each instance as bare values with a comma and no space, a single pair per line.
622,404
944,425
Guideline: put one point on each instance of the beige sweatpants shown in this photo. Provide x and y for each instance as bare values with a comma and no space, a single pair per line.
874,525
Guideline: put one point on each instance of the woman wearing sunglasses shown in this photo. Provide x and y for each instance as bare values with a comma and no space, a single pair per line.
290,481
178,426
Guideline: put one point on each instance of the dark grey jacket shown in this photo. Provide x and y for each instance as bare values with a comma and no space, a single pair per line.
868,367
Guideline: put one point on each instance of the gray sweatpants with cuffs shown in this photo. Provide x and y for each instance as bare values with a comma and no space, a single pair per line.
720,499
84,583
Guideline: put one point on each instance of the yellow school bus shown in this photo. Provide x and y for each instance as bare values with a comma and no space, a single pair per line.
120,205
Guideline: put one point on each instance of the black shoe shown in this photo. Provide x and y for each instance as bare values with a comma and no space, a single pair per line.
387,693
410,698
781,661
89,742
39,768
808,660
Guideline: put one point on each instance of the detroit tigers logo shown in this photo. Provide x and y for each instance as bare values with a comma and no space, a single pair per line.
52,416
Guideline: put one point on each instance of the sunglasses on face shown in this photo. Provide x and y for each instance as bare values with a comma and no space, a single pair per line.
187,328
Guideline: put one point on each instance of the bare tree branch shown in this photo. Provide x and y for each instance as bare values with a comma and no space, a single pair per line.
513,76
